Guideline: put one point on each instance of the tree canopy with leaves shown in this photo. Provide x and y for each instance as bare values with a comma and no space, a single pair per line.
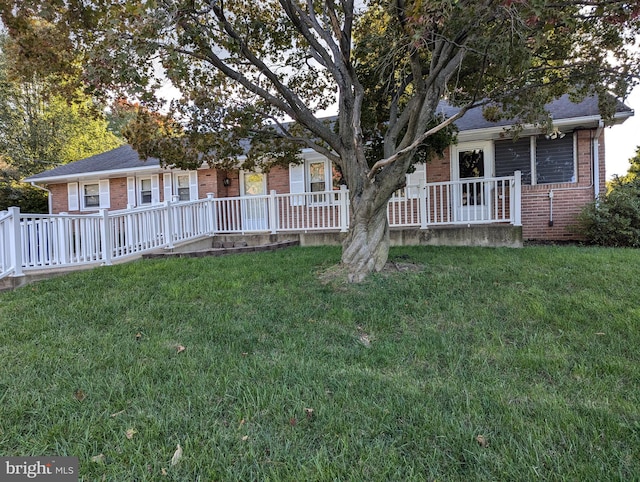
244,67
41,129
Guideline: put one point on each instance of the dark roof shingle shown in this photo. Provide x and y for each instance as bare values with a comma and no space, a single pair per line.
120,158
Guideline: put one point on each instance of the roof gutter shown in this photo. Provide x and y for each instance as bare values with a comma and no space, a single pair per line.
95,174
530,129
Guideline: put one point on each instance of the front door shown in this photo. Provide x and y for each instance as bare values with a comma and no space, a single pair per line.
471,164
253,186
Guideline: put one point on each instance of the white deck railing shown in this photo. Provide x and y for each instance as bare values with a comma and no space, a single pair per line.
37,241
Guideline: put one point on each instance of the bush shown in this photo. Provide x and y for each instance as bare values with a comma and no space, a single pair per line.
614,220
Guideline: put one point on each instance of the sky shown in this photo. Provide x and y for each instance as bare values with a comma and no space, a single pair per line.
621,141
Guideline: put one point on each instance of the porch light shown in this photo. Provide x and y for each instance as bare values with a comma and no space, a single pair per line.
555,134
226,182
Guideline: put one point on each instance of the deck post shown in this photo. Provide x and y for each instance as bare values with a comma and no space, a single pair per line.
344,208
15,241
169,224
105,237
212,213
517,199
423,208
273,213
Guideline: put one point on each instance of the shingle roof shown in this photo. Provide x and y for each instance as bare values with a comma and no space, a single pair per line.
125,158
561,108
121,158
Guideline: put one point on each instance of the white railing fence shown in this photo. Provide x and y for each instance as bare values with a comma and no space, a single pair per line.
467,201
37,241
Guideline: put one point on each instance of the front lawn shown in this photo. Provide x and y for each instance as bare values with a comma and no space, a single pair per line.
487,364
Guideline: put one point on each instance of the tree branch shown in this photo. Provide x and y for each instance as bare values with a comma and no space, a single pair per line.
419,140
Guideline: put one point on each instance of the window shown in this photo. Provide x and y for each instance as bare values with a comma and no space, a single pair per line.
91,195
511,156
145,191
182,187
312,176
88,196
317,176
553,159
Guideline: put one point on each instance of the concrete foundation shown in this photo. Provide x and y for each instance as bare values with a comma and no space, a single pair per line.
473,235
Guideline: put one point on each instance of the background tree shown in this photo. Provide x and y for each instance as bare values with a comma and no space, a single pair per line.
634,168
40,129
244,66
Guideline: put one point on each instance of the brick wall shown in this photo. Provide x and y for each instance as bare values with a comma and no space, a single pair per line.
59,198
439,169
538,209
209,180
278,180
118,193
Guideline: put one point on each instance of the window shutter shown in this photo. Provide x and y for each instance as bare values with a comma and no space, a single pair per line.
105,200
193,185
155,189
415,178
72,191
168,192
131,191
296,183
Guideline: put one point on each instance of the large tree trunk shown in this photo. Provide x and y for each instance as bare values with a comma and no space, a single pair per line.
366,247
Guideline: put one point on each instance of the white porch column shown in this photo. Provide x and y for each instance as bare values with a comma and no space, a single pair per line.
344,208
517,199
423,207
15,241
105,236
273,212
169,224
211,210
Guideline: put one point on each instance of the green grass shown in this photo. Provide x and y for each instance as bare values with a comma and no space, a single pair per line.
536,349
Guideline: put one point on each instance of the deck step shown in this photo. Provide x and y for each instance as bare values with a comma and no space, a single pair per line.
227,248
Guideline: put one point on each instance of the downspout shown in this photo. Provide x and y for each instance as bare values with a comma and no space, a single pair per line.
596,160
595,172
49,197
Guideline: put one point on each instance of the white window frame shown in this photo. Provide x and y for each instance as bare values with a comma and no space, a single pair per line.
300,181
139,191
192,184
534,162
324,199
154,179
104,200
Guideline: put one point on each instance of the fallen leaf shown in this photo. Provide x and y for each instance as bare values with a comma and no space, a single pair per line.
163,471
138,336
130,433
177,455
117,413
245,438
600,333
293,421
79,395
180,348
363,337
98,459
482,441
242,422
309,412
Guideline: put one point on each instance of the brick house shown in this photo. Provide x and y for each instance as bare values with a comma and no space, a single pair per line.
559,173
